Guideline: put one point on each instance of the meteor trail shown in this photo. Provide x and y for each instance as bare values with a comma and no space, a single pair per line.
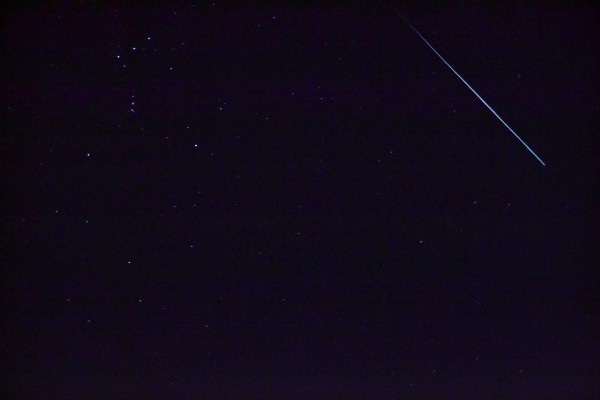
469,86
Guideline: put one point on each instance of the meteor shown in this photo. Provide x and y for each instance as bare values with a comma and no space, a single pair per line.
469,86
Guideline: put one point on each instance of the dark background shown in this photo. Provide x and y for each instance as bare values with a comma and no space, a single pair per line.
304,203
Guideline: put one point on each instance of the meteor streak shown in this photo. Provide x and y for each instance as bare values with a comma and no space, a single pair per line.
469,86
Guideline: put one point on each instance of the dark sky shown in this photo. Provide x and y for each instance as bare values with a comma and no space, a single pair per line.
299,202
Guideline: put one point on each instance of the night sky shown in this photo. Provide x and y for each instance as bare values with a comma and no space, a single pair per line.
299,202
